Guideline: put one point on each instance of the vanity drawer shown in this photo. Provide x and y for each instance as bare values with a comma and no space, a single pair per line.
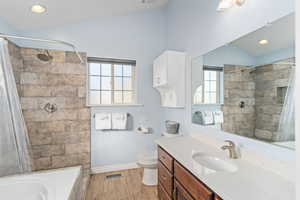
162,194
197,189
165,178
166,159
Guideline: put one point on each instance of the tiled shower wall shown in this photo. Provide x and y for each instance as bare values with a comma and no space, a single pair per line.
239,86
62,138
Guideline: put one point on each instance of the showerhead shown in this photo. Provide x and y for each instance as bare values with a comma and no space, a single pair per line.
44,56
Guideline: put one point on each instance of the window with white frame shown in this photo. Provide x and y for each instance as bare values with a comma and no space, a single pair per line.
111,82
210,92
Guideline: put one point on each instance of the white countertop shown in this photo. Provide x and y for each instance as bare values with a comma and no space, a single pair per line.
249,182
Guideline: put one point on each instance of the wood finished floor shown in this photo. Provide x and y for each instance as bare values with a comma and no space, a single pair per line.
127,187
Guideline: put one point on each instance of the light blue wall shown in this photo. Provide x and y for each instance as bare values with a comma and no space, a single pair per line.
275,56
195,27
228,55
119,147
139,36
6,28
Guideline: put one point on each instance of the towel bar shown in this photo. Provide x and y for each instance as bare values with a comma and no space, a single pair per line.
128,114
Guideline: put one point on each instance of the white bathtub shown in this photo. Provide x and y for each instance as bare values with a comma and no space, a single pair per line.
47,185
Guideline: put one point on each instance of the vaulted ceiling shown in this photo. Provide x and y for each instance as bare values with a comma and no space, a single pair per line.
60,12
280,34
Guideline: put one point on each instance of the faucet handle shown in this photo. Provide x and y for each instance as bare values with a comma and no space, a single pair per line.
233,154
231,143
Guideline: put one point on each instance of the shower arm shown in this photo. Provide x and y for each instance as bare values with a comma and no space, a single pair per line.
43,40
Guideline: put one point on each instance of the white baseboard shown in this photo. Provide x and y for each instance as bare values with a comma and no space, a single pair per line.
112,168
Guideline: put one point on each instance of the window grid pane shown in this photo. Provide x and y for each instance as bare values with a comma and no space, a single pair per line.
106,69
94,83
118,70
106,83
106,97
118,97
114,83
210,87
94,69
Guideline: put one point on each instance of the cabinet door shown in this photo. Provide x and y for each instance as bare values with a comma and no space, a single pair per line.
160,70
180,193
163,70
195,187
156,66
217,197
162,194
165,159
165,178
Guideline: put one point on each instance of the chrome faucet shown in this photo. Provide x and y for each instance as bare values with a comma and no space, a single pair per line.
232,149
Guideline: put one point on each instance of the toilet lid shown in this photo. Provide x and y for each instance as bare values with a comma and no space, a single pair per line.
168,135
148,158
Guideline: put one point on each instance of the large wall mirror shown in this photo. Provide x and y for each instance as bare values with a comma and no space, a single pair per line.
247,86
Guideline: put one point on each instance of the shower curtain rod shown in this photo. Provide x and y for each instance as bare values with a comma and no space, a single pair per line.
43,40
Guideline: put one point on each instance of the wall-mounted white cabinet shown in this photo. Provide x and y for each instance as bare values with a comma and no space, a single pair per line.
169,71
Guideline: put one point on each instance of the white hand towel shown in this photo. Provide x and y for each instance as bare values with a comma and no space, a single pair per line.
119,121
207,117
218,117
103,121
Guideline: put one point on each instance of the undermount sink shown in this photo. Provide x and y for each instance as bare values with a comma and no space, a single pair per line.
213,163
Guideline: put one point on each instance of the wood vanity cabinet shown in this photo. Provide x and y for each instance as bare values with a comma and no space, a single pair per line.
165,178
217,198
177,183
180,193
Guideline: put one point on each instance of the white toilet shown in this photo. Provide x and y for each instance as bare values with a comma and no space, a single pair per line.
149,161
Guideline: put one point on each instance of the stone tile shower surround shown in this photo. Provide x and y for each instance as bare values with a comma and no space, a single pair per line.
262,90
62,138
239,85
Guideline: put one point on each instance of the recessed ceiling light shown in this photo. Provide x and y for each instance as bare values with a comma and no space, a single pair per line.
38,8
224,5
263,42
240,2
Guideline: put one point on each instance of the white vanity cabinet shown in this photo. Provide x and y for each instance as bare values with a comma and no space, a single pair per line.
169,71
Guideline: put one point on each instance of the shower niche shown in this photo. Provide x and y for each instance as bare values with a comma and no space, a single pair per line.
281,94
247,86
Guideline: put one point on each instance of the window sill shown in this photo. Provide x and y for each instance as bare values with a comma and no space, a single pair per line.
115,105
